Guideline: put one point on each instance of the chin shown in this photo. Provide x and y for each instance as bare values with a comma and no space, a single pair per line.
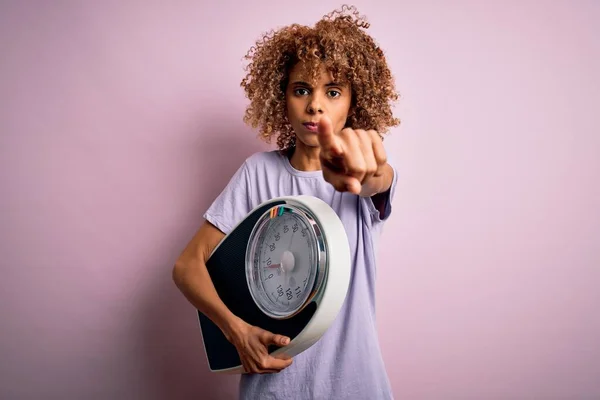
313,142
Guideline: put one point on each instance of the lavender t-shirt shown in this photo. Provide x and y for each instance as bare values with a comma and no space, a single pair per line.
346,362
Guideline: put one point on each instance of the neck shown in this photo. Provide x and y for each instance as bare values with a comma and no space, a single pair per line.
305,158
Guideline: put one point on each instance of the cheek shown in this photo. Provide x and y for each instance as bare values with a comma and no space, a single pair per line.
290,110
342,111
296,108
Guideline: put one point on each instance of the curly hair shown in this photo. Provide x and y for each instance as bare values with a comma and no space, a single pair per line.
338,41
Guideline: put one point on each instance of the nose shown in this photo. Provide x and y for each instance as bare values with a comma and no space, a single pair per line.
314,106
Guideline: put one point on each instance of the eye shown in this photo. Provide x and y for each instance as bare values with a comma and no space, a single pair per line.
300,92
334,93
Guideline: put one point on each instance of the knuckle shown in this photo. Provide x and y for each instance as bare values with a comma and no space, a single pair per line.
263,363
347,134
375,135
361,168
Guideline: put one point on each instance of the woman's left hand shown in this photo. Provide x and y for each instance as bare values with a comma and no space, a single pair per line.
353,160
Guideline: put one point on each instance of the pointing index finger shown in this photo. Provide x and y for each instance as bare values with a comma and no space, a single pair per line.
327,137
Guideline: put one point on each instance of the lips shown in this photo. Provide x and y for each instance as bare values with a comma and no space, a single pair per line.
311,126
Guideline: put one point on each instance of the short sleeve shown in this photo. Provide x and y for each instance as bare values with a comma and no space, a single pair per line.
376,215
232,204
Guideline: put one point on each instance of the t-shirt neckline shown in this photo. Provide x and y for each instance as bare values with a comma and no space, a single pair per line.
288,165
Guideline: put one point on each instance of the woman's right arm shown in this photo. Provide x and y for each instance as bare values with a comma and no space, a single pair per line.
193,280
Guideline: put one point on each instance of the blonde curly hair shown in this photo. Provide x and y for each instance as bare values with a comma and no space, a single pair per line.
338,41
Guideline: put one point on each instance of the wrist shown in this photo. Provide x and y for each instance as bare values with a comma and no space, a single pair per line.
378,183
232,326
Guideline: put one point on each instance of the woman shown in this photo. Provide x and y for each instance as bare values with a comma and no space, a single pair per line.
325,94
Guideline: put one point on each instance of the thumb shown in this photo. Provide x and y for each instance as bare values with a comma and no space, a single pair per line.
326,136
278,340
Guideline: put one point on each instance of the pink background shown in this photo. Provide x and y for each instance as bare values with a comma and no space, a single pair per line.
121,121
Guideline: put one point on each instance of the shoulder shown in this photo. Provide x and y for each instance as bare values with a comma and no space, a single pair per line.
262,156
263,160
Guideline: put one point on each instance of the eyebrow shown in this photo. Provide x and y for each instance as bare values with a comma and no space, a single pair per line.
302,83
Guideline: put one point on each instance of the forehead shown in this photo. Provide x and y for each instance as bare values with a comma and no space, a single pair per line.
310,73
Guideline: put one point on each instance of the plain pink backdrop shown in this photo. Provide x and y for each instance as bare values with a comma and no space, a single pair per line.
120,121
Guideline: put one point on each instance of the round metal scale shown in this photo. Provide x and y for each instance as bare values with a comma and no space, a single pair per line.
284,268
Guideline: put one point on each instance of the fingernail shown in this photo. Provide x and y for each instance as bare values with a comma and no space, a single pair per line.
285,341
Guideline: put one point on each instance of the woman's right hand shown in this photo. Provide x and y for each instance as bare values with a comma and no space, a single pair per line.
252,345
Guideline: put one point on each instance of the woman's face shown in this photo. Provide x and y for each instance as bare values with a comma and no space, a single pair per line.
306,103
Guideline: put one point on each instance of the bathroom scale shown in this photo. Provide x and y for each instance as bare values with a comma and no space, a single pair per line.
284,268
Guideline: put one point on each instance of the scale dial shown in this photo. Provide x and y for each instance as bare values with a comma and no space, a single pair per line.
285,260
